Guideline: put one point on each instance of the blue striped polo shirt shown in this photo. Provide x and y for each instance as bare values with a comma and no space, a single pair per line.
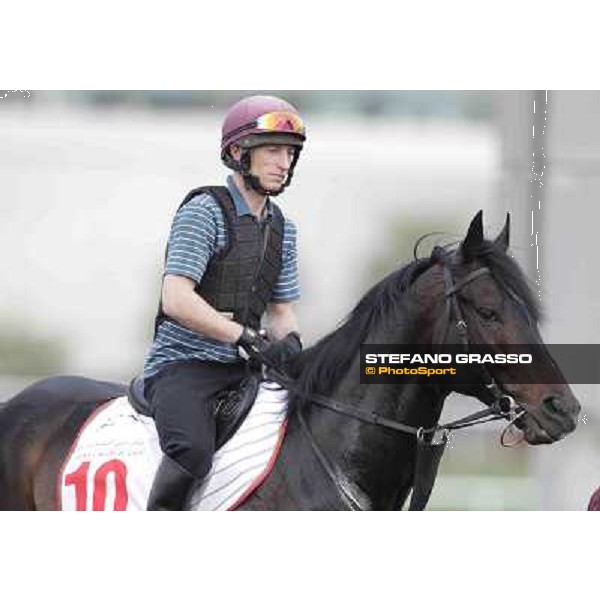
197,232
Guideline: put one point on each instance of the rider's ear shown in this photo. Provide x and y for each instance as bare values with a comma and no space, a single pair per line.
236,151
502,240
474,237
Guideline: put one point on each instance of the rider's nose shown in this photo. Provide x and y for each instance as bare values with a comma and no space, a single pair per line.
285,161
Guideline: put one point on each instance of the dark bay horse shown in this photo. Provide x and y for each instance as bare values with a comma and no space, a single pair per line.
336,459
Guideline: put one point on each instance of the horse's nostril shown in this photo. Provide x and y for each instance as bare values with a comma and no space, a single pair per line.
561,405
554,404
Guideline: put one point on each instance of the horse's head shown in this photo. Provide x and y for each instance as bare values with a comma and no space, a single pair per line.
487,300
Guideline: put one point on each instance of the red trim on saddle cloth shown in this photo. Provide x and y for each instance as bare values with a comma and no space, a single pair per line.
90,418
261,478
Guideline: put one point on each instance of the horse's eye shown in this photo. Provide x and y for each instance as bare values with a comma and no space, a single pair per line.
487,313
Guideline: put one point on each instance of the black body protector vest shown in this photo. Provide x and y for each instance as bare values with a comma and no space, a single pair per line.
241,277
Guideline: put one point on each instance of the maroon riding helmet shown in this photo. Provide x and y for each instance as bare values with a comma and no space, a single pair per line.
594,503
259,121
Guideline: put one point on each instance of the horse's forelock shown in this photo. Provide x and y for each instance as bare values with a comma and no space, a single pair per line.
508,273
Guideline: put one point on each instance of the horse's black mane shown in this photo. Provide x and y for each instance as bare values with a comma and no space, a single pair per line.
320,368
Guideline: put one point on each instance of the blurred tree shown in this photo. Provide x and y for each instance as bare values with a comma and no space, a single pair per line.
25,353
399,239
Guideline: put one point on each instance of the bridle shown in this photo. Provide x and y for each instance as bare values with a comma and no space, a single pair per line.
502,405
431,441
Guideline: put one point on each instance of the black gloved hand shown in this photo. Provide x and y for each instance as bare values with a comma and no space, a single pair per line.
283,350
272,354
251,344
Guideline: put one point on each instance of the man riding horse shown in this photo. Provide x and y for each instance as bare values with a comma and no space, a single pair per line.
231,257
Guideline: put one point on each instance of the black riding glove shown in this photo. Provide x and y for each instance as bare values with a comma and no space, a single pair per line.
279,353
251,344
272,354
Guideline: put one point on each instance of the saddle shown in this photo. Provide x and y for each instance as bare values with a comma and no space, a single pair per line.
232,407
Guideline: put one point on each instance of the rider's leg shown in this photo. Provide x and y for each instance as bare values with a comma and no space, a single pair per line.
182,397
172,486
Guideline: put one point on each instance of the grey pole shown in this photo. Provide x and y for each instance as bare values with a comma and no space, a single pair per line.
550,182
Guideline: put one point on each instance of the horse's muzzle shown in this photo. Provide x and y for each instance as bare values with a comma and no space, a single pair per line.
552,419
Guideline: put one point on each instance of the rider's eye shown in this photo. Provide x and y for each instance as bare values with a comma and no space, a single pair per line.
487,313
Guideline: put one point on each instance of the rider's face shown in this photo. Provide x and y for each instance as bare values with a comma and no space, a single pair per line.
271,164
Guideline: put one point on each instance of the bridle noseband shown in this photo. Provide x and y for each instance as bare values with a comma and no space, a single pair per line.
431,441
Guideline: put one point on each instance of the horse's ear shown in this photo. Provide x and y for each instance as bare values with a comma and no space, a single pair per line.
474,237
502,241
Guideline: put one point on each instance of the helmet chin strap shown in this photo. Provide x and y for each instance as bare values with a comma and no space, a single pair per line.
252,182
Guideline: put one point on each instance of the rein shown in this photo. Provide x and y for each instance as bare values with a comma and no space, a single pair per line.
430,446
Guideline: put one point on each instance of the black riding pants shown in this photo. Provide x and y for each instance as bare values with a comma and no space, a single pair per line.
182,397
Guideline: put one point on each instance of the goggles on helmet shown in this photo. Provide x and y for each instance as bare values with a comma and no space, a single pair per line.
273,122
280,122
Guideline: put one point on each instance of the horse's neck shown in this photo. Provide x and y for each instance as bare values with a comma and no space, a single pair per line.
377,463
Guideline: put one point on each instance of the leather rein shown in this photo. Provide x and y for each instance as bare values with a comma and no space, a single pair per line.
431,441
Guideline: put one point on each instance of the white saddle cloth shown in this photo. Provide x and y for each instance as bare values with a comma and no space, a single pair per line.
112,463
